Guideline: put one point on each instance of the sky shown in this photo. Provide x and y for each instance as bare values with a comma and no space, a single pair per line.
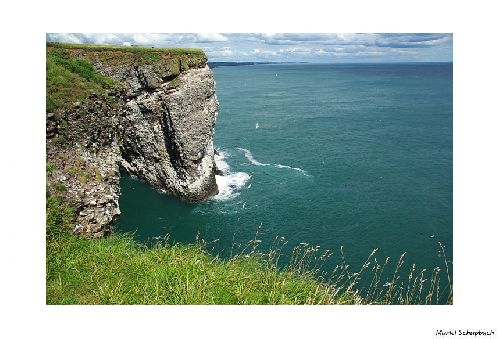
288,47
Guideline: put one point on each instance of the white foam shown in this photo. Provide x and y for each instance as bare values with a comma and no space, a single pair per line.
230,183
293,168
250,158
220,162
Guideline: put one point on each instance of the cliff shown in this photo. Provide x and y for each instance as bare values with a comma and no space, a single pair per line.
137,111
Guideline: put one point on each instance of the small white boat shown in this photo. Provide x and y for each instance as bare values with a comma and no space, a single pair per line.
257,125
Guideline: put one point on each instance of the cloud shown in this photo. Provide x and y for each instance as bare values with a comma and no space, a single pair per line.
267,53
148,38
157,39
412,40
223,52
398,40
210,37
296,50
85,38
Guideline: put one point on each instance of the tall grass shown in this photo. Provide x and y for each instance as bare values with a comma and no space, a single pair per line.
118,270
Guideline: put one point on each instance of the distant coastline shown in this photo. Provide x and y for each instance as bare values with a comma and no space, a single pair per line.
215,64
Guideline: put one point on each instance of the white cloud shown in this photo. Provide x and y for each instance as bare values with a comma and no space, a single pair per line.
296,50
100,38
210,37
260,52
224,52
64,37
126,43
147,38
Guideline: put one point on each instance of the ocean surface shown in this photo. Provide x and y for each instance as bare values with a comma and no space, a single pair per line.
352,155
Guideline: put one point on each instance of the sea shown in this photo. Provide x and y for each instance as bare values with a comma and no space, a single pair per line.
336,156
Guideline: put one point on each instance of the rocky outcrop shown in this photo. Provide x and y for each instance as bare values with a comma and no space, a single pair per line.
158,125
167,138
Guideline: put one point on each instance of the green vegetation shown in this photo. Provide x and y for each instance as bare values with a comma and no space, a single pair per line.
132,49
116,55
59,218
59,187
70,79
118,270
84,175
49,168
79,66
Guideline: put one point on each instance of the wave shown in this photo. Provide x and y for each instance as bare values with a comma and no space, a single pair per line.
250,158
220,162
230,183
293,168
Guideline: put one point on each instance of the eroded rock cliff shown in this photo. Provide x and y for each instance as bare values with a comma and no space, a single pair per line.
143,112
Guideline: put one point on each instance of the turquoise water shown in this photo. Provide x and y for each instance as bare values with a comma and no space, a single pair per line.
355,155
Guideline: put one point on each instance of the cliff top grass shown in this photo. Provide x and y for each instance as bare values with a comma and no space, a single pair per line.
131,49
117,55
70,79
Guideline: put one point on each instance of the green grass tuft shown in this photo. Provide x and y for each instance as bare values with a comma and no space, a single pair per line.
49,168
59,187
59,217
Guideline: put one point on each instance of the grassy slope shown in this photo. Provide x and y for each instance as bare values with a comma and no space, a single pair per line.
69,80
117,270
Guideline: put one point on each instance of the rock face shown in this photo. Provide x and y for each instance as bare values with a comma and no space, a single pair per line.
167,138
158,126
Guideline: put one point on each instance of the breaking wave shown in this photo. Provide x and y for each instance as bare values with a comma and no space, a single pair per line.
230,183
